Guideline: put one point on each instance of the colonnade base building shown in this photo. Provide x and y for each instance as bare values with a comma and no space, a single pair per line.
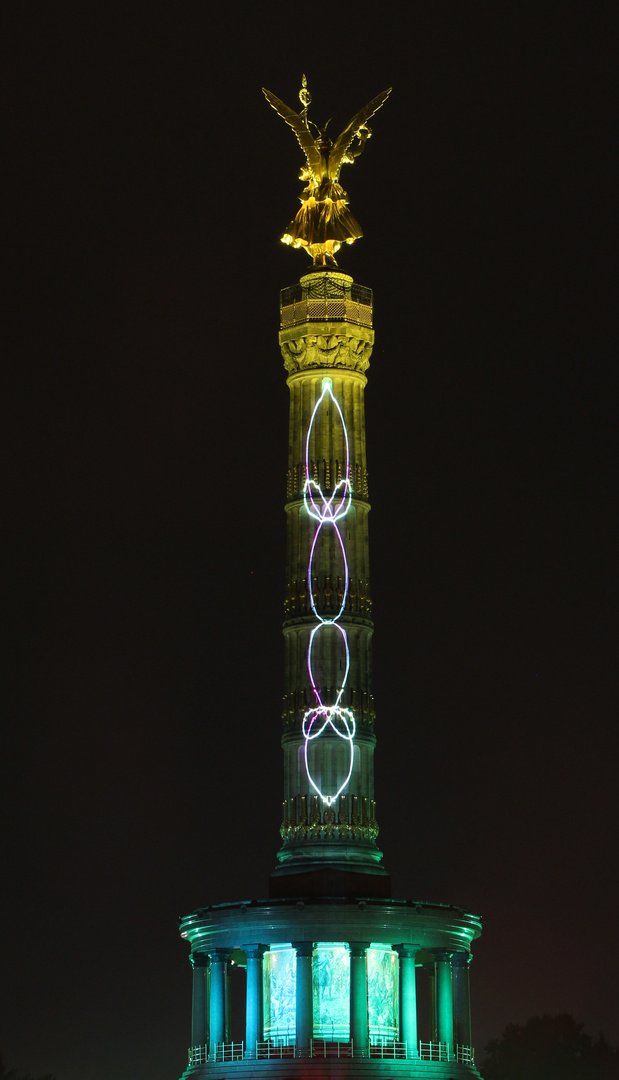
341,980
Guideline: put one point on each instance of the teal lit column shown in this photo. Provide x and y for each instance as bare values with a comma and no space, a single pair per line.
199,963
444,999
253,1011
304,999
217,1000
408,999
462,998
228,1020
359,1033
430,969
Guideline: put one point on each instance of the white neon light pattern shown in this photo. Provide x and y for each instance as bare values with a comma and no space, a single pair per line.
324,718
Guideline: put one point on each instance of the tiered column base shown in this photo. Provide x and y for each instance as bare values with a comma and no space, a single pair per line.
335,979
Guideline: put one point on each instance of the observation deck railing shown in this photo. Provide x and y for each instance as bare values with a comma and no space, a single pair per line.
325,301
324,1048
390,1050
465,1054
434,1051
283,1049
441,1052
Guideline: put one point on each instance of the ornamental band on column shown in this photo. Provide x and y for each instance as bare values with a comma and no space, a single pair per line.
336,967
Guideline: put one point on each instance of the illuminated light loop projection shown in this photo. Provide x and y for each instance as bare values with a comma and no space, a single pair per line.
324,719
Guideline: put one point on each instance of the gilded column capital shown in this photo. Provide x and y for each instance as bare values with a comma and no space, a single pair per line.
330,347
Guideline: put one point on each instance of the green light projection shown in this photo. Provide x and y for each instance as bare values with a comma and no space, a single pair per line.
383,996
330,992
279,980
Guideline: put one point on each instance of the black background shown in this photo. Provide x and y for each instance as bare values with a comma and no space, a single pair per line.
146,431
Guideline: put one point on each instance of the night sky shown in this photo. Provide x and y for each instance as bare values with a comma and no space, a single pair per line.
147,183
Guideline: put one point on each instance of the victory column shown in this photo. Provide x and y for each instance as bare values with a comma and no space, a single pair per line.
334,964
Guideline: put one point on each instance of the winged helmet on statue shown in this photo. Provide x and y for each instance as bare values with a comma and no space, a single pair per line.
324,221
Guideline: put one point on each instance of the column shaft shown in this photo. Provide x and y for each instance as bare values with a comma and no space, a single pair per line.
304,1001
253,1014
198,1003
444,996
217,1003
359,1032
462,999
432,1002
408,1000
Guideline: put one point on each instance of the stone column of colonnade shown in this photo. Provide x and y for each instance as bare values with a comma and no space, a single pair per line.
211,1017
359,1033
444,999
199,1027
449,998
217,999
462,998
452,999
449,992
253,1009
408,998
304,997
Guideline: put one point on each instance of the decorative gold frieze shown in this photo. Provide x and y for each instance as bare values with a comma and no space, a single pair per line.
355,819
326,350
314,822
325,592
329,821
323,472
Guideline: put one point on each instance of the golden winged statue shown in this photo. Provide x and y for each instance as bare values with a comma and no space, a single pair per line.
324,221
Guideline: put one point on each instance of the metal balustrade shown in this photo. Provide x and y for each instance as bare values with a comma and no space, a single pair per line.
198,1055
230,1051
389,1049
465,1054
434,1051
440,1052
281,1049
325,1048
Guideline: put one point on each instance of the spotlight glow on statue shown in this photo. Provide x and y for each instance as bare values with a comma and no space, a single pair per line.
324,719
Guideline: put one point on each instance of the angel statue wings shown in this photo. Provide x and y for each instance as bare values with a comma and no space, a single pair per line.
324,221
